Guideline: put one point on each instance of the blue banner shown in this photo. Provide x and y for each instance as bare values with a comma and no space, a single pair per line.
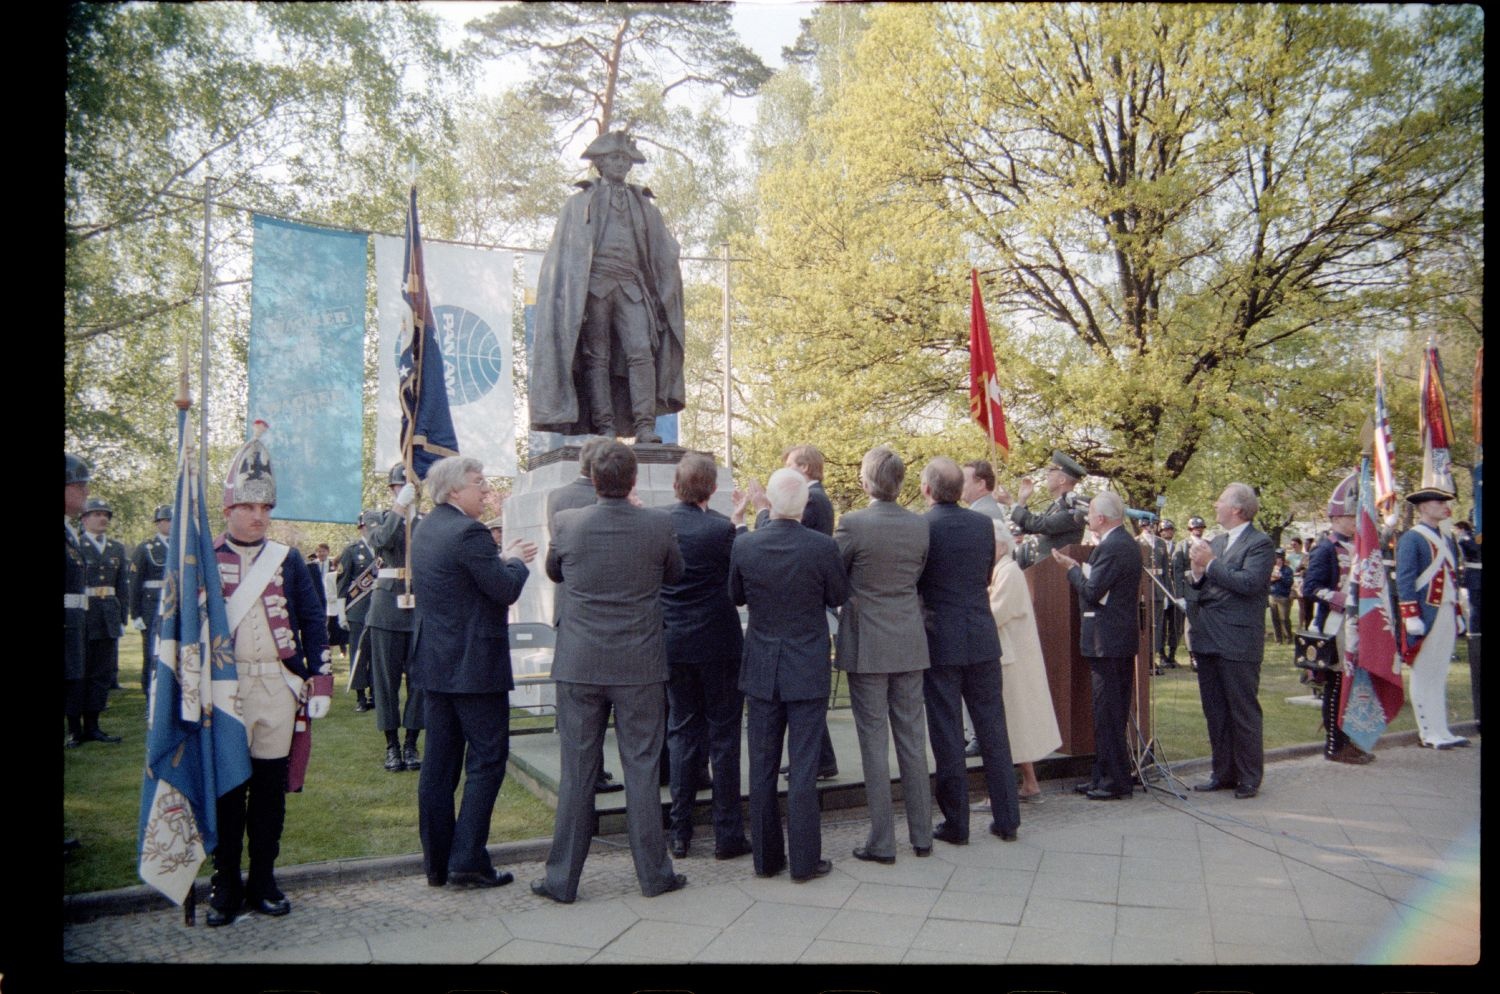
306,365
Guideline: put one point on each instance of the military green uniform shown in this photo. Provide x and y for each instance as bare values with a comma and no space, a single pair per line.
106,581
354,560
148,570
390,628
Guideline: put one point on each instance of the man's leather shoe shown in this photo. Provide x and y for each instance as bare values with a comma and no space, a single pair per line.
1082,788
823,868
679,848
737,848
678,882
217,918
774,871
72,741
1460,743
1352,754
99,735
1002,834
360,707
606,783
971,749
861,853
1211,785
1244,791
274,907
1105,795
828,774
921,850
437,879
393,761
540,889
410,758
949,835
481,878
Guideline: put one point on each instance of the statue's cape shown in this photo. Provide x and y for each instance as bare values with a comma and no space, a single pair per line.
556,394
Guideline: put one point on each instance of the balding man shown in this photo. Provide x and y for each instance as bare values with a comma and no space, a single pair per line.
1111,630
1226,595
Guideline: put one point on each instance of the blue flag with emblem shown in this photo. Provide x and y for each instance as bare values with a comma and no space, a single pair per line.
427,433
196,747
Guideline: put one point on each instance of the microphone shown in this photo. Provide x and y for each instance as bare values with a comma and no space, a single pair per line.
1138,515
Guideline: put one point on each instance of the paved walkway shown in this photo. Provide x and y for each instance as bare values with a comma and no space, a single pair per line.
1331,864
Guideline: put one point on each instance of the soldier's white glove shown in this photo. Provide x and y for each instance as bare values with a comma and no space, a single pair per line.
317,707
1463,626
140,624
1415,628
123,629
1323,594
406,496
1181,603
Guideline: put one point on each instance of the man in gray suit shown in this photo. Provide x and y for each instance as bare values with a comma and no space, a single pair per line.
979,491
612,558
1226,602
578,493
883,647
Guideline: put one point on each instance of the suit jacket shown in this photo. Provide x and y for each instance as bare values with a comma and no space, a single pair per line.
955,587
613,558
105,570
1227,608
789,575
883,548
578,493
389,541
460,639
701,622
315,570
817,515
1107,598
988,506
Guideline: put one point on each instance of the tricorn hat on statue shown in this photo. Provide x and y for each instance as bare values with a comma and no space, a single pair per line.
1344,501
163,513
613,141
249,480
1065,463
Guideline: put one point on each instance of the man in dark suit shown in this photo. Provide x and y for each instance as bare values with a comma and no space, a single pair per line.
1226,595
460,660
704,646
577,493
612,559
1111,631
882,648
788,575
817,515
963,646
389,623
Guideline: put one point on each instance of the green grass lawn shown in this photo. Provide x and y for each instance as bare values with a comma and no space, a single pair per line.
352,807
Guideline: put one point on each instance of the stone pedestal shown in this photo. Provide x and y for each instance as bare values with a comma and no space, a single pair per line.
525,517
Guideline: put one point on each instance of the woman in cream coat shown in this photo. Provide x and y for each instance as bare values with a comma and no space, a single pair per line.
1028,703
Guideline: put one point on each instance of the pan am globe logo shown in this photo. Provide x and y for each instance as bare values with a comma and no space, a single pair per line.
472,359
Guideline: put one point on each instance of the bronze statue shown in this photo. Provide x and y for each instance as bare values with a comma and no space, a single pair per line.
607,352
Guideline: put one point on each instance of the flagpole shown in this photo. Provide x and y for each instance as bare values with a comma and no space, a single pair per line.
728,399
208,185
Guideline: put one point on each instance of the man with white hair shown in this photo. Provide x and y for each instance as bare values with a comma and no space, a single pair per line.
788,575
1228,582
1108,639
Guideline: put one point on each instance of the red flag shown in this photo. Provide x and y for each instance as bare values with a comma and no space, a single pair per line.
1435,426
984,393
1371,696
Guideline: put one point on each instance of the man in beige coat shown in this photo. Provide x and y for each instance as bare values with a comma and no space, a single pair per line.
883,647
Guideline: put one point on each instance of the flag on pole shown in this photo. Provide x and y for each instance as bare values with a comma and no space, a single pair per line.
1371,696
427,433
1479,445
1436,428
984,392
1385,450
196,747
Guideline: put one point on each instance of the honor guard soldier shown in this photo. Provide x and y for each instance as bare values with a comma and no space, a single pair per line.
1327,579
1181,567
1431,620
147,568
1061,523
390,624
75,599
357,572
281,660
106,583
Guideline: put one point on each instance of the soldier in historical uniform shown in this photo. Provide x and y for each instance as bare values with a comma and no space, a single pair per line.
1327,580
107,584
1427,589
148,566
1060,524
356,582
76,477
609,318
281,660
389,625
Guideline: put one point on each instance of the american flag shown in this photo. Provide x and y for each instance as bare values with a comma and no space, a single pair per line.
1385,449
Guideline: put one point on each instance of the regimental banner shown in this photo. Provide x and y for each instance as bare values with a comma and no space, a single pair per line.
306,364
471,305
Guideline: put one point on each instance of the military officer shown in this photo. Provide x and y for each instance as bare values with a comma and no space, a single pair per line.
356,581
1060,524
389,624
106,583
76,476
148,567
1181,567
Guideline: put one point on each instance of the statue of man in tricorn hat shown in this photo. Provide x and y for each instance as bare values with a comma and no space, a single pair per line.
607,357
